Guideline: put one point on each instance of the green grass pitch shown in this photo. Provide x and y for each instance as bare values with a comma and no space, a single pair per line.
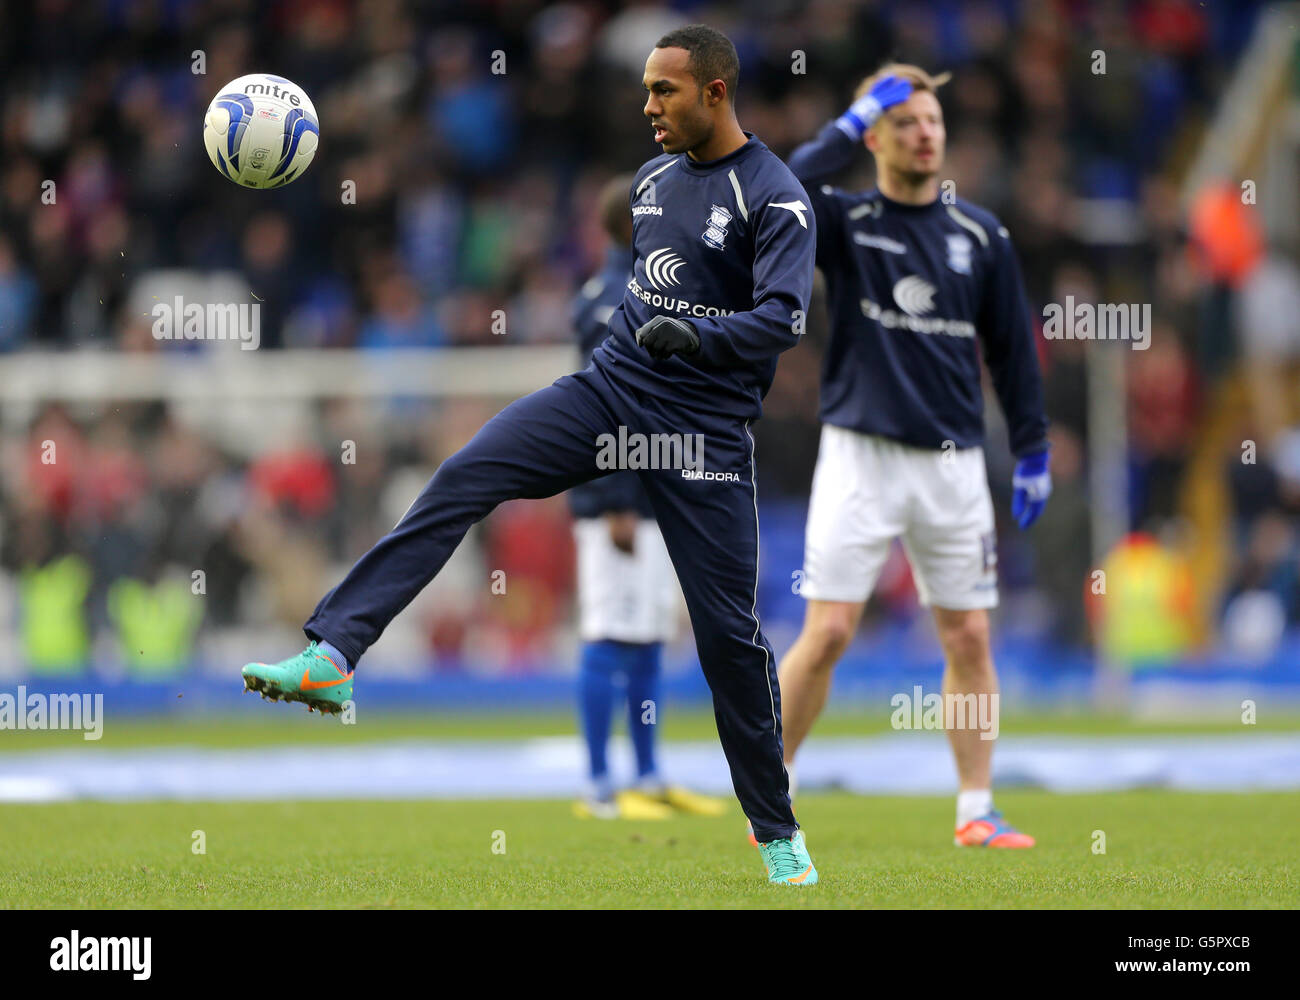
264,725
1162,849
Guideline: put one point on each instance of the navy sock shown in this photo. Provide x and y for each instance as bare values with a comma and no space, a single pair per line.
600,661
642,666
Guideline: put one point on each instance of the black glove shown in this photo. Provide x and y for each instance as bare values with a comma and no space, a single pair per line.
664,336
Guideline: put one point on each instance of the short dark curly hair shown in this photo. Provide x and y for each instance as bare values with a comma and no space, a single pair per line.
713,57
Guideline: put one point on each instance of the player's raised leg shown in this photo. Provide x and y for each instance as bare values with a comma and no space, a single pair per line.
536,447
709,520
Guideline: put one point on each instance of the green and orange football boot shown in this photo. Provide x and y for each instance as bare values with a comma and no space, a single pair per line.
311,677
788,862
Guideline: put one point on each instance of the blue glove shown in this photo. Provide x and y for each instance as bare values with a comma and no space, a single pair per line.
886,92
1031,485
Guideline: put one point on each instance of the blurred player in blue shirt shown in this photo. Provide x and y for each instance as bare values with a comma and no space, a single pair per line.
628,598
918,286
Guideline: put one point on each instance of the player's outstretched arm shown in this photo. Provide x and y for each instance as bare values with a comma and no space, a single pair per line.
835,145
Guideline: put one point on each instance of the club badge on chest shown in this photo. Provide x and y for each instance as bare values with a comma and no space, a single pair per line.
715,229
959,251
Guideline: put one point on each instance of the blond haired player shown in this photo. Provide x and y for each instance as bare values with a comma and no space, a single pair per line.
919,287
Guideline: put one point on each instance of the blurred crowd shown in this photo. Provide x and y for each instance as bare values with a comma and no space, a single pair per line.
476,137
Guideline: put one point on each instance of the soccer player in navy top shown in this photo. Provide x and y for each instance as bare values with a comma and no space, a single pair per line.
918,286
723,243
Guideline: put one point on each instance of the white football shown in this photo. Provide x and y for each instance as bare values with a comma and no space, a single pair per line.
261,131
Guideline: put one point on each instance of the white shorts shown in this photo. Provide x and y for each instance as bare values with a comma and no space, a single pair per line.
628,598
869,490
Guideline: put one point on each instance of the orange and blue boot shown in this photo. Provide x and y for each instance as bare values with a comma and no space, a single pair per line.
991,830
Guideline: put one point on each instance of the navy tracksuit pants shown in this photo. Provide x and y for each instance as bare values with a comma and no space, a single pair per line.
546,443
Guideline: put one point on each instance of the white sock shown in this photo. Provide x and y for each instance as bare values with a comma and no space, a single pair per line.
651,784
973,804
794,778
